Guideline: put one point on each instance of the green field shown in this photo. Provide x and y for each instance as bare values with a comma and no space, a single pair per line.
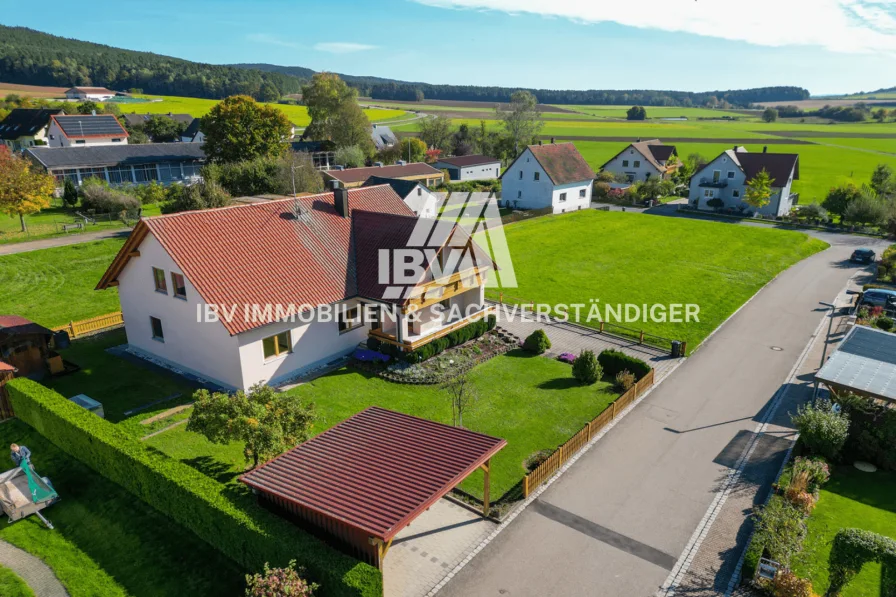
620,258
48,224
655,112
197,107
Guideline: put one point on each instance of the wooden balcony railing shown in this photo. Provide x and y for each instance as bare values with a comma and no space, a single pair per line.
442,331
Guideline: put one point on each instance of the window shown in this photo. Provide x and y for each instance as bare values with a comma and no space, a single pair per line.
157,333
158,276
637,163
731,174
348,319
736,193
180,286
278,345
537,175
519,194
419,192
82,142
707,193
116,140
120,175
625,163
582,193
521,175
716,175
146,172
562,197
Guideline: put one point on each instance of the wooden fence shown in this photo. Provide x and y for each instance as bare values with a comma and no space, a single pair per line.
92,325
562,454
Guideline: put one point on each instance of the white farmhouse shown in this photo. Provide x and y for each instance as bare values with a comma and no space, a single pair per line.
644,159
470,167
722,182
554,175
423,202
321,254
96,94
83,130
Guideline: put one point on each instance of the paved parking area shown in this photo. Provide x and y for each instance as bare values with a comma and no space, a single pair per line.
423,553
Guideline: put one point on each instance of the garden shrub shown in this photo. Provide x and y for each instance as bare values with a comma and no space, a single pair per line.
852,548
97,195
586,369
788,584
872,431
715,202
455,338
537,342
822,430
233,524
884,323
817,472
780,529
625,380
374,344
614,361
752,556
279,582
537,459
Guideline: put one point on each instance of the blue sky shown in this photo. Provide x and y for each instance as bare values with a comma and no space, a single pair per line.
827,46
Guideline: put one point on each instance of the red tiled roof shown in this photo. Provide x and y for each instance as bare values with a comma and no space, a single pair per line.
376,471
397,171
11,325
4,366
562,162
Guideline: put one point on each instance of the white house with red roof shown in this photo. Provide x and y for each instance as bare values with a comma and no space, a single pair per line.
554,175
200,290
97,94
85,130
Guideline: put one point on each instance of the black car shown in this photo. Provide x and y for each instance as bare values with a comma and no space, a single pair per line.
862,256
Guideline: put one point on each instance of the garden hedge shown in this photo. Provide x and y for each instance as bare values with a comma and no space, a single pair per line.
614,361
455,338
852,549
233,524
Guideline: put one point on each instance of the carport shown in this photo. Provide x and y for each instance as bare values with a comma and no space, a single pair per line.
361,482
864,364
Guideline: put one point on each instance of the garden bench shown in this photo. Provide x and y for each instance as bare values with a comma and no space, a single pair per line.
72,226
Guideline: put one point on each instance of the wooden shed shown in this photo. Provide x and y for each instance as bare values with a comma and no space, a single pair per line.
25,346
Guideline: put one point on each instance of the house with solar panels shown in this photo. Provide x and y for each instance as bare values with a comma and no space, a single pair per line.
26,127
83,130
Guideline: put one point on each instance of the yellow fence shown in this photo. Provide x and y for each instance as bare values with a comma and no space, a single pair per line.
93,325
562,454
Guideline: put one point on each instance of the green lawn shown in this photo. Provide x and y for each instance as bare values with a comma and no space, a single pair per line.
12,585
54,286
106,542
48,224
531,401
850,499
621,258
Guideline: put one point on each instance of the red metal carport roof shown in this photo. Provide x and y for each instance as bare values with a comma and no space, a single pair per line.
377,470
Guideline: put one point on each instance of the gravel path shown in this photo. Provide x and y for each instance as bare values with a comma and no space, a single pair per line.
33,571
61,241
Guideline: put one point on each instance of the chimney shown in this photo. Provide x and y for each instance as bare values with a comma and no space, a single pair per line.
765,149
340,196
539,141
552,140
639,140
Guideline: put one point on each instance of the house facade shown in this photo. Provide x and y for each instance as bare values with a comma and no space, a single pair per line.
85,130
382,136
26,127
417,171
423,202
721,184
96,94
318,254
470,167
543,176
192,134
166,163
643,160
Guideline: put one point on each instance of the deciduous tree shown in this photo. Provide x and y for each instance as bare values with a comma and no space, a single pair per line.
839,198
882,180
436,132
163,129
413,149
769,115
351,128
463,397
24,190
521,119
266,421
239,128
759,190
324,96
636,113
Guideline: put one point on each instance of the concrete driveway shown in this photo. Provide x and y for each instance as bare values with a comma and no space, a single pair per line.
617,522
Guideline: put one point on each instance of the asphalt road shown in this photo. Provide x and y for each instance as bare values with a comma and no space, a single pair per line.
618,520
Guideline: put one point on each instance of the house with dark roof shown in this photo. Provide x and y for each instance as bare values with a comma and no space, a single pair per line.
721,184
266,291
122,164
643,160
96,94
423,202
554,175
382,136
470,167
192,134
82,130
355,177
26,127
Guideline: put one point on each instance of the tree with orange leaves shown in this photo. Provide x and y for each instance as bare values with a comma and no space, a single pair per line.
23,190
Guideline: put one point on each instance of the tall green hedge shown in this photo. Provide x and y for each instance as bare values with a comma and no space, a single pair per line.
613,361
233,524
852,549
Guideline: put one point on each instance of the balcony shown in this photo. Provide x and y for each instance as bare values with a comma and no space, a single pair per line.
420,333
713,184
446,287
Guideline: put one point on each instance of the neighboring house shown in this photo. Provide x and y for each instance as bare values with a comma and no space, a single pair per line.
726,178
80,130
26,127
418,171
470,167
382,136
323,153
192,134
644,159
543,176
96,94
423,202
122,164
319,253
25,348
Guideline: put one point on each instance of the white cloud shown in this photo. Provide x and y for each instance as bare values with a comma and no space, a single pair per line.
342,47
272,40
851,26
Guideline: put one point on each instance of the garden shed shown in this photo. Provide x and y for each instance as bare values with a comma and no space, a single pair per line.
361,482
25,346
864,364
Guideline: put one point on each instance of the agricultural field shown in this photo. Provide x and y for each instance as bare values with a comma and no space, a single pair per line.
32,91
655,112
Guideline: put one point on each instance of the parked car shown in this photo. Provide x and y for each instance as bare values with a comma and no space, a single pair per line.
862,256
879,297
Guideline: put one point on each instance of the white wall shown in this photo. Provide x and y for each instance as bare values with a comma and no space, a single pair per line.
204,349
632,163
732,195
422,202
528,193
55,138
480,172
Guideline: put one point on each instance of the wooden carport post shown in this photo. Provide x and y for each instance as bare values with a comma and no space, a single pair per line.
485,489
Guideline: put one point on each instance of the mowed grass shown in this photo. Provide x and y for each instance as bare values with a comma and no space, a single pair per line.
620,258
531,401
197,107
12,585
106,542
851,498
55,286
48,223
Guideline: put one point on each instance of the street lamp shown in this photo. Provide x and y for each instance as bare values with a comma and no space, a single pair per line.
824,350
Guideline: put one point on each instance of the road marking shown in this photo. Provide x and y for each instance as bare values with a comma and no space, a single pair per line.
605,535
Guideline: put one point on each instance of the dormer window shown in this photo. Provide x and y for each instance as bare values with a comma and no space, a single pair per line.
180,286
